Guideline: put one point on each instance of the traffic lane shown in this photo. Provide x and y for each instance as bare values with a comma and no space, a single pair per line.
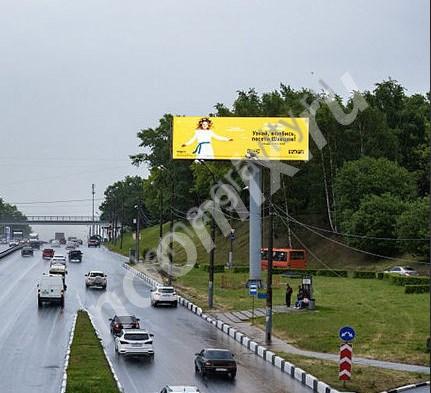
33,341
179,334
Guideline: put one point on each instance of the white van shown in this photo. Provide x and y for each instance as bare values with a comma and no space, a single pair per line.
50,289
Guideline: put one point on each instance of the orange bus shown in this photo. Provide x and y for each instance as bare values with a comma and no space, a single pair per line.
284,258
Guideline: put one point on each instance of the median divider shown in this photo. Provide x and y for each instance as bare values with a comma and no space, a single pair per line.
261,351
67,357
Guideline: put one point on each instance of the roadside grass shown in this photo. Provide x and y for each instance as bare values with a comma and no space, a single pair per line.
390,324
88,370
364,379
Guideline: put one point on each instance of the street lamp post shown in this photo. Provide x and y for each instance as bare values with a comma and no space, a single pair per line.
268,324
212,252
138,229
171,225
171,237
92,214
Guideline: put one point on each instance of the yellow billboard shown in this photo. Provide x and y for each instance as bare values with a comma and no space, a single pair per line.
227,138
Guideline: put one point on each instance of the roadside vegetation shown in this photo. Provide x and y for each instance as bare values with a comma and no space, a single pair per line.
378,309
364,379
88,370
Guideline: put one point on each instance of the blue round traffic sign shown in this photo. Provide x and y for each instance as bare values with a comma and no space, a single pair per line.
347,333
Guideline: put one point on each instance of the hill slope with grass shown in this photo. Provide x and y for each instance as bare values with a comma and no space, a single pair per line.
322,253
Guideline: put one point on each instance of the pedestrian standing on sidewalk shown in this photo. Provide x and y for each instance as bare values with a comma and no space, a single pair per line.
288,296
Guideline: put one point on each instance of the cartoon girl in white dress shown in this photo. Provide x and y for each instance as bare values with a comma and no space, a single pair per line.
203,136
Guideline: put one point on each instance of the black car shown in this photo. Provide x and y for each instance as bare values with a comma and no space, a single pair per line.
93,243
123,322
27,251
75,256
215,361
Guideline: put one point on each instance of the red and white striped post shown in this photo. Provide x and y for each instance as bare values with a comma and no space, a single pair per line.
345,362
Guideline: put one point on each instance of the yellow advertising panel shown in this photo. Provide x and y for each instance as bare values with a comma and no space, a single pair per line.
227,138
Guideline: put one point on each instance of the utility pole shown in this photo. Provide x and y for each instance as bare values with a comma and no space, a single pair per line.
171,236
138,230
160,218
213,240
289,235
268,320
212,260
121,226
92,220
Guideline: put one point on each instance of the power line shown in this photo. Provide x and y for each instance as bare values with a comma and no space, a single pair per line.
354,248
51,202
347,234
313,254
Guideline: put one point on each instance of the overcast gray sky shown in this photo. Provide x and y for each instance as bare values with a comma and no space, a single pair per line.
79,78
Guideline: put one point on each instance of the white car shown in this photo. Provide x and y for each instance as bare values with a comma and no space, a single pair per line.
70,245
404,271
96,279
57,268
58,258
55,243
164,295
180,389
50,289
134,343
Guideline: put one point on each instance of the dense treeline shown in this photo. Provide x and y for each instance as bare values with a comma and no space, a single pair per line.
370,181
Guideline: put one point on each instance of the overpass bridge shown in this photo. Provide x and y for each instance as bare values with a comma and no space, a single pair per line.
56,220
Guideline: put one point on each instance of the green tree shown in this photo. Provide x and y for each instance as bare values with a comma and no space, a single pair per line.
10,212
375,218
370,176
413,223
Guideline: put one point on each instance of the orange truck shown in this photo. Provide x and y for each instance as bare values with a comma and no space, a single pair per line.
284,258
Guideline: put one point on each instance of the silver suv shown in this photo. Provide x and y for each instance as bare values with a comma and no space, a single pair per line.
96,279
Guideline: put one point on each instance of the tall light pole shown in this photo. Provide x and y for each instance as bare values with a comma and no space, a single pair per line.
212,252
138,230
171,225
92,216
268,319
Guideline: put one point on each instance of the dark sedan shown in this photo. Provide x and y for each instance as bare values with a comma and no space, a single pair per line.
215,361
27,252
123,322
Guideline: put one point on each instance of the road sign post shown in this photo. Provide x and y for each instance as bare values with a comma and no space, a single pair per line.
346,334
252,291
345,372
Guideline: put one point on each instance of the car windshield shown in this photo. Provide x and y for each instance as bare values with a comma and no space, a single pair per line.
166,290
225,355
96,274
137,336
126,319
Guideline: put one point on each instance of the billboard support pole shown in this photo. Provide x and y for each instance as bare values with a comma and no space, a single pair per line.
255,231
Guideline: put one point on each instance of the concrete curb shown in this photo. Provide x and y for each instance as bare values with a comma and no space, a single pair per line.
120,388
407,387
261,351
67,357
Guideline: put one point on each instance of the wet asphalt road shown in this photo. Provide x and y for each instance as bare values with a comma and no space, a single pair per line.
33,342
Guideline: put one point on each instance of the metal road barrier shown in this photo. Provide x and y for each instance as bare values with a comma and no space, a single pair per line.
10,250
